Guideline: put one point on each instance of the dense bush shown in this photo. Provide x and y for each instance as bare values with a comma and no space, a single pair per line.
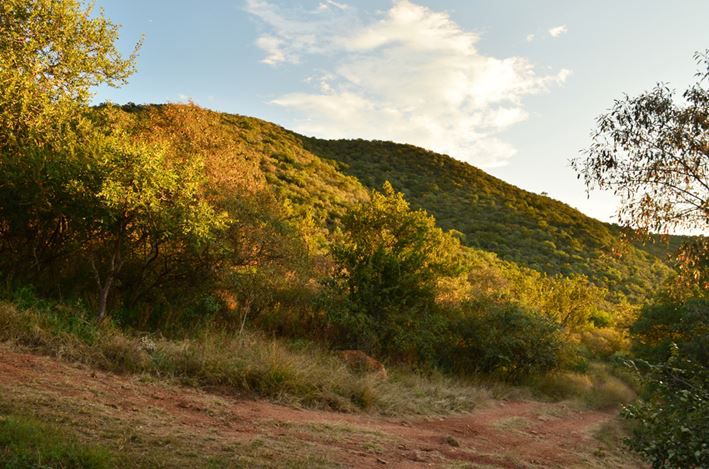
506,341
529,229
388,261
671,420
667,322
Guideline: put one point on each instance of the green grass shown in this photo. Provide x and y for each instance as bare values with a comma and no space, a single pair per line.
26,442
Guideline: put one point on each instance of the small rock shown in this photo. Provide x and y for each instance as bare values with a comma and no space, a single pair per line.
382,461
452,441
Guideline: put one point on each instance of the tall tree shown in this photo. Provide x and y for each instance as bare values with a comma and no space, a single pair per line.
653,152
52,52
141,200
72,182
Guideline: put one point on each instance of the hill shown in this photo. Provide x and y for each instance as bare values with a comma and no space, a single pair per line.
319,179
519,226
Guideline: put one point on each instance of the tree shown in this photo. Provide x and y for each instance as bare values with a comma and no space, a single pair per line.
671,419
75,188
142,199
52,52
671,323
389,260
653,152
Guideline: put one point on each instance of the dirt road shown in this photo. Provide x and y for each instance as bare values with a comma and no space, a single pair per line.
175,426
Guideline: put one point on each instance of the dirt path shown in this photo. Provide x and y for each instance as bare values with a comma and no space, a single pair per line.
175,425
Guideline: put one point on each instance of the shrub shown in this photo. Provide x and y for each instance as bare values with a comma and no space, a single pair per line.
598,388
388,262
507,341
684,323
671,420
603,342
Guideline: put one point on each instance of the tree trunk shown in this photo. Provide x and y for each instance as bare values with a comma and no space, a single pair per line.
103,298
104,287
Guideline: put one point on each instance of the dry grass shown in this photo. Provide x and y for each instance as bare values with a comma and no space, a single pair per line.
245,364
148,422
598,388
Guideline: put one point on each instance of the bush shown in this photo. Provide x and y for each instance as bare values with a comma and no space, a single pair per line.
598,388
603,342
671,420
507,341
684,323
388,263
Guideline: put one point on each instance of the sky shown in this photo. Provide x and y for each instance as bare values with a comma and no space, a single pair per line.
511,86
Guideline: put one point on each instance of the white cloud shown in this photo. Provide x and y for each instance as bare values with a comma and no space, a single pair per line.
409,74
530,37
295,33
557,31
327,4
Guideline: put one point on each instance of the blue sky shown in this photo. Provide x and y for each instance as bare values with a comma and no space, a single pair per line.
513,87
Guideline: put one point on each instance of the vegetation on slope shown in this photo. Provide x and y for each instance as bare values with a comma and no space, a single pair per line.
530,229
292,372
321,178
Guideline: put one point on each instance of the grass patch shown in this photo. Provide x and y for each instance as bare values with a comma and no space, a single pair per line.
598,388
297,374
26,442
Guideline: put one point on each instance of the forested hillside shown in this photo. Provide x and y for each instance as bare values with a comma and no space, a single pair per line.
320,178
529,229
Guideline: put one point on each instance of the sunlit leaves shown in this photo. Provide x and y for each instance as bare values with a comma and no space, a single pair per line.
51,53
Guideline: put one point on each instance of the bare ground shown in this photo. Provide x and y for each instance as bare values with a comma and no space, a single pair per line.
159,424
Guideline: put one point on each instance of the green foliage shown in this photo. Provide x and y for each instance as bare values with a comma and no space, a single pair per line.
51,53
144,200
506,341
671,420
668,323
26,442
528,229
389,260
320,180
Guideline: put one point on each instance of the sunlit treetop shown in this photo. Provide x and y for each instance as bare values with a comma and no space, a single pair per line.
52,52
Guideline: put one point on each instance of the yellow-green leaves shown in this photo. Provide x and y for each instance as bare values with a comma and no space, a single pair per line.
51,53
152,196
